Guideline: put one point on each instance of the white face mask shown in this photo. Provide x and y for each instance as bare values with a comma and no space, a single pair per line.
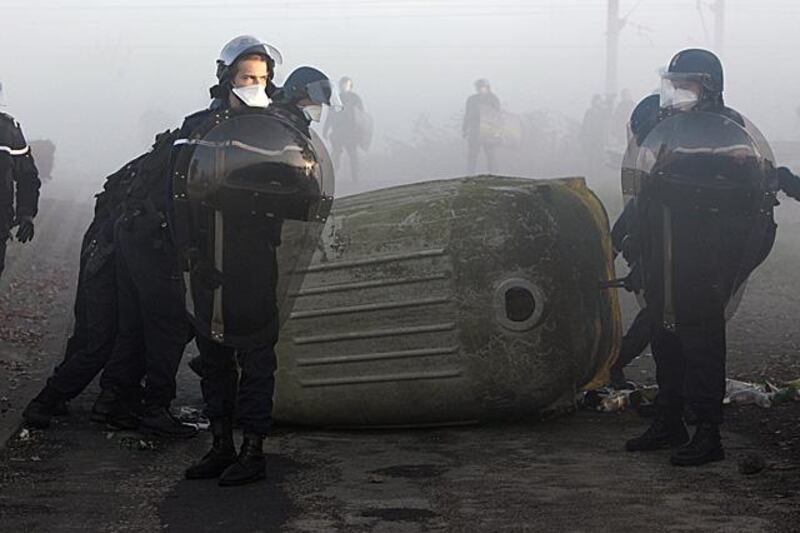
676,98
313,112
252,95
683,99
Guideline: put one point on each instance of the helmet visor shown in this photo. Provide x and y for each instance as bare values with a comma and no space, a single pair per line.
245,45
323,92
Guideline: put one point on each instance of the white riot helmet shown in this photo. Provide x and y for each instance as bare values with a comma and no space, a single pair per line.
245,45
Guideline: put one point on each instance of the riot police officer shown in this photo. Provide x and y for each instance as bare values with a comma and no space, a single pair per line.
623,239
238,362
704,205
149,282
95,328
16,168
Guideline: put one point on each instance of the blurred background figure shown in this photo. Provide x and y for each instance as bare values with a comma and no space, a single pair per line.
483,126
349,129
594,134
44,153
619,124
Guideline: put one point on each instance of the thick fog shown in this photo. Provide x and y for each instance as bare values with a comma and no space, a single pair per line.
100,78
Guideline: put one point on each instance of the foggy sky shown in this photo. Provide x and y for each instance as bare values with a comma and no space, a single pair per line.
100,78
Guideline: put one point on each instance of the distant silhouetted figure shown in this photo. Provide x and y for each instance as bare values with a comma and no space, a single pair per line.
483,127
622,113
348,129
594,133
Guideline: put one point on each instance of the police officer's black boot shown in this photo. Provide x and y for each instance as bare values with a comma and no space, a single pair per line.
666,431
618,379
116,410
705,447
42,409
104,405
250,466
222,453
160,422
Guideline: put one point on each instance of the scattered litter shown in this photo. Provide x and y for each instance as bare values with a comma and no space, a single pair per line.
766,395
24,435
642,398
743,393
136,444
192,416
610,400
35,458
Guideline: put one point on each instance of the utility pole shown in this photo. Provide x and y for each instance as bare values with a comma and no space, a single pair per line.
719,25
614,27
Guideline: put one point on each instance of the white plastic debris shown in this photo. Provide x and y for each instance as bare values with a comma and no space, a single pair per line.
743,393
24,435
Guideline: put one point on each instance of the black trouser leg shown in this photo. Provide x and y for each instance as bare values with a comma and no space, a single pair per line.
704,349
220,378
154,273
256,387
95,331
670,371
126,366
635,339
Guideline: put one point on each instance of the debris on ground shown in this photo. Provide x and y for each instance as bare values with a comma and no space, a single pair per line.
764,395
137,444
192,416
612,400
642,398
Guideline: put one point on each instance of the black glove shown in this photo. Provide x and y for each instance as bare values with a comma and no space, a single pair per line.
25,231
788,182
206,275
630,249
633,281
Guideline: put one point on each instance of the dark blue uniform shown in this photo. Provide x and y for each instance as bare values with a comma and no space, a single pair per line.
149,287
18,178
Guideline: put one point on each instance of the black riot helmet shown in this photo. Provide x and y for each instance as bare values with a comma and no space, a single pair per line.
308,83
239,47
309,89
693,77
644,117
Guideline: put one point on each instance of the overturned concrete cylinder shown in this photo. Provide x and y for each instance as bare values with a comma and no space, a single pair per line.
448,302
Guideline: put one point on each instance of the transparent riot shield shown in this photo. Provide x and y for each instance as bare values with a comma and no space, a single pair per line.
704,191
302,238
246,184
